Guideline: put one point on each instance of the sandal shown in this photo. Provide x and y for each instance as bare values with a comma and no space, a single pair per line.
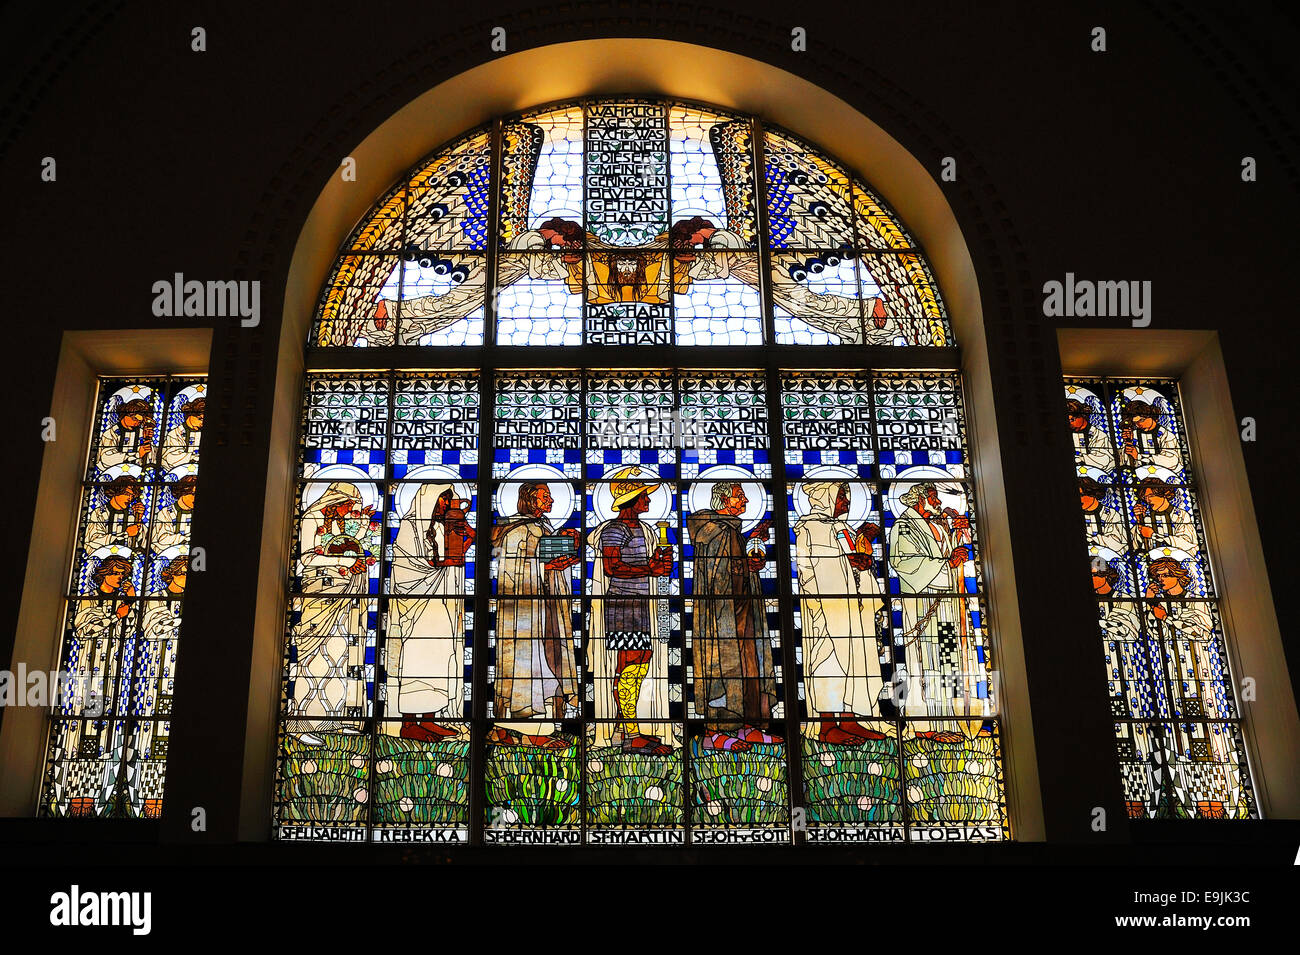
424,731
854,728
751,734
940,736
721,741
646,746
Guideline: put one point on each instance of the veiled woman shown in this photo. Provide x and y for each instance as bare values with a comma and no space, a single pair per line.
330,632
428,611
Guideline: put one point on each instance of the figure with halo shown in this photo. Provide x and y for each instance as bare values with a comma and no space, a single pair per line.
427,616
334,563
630,573
841,657
734,678
536,669
928,549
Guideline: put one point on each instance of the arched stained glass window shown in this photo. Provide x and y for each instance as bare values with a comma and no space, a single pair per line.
631,222
719,585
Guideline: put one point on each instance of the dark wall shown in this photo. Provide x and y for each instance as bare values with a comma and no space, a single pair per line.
1115,165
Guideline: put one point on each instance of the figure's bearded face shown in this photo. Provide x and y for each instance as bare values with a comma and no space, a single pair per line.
842,502
927,503
628,270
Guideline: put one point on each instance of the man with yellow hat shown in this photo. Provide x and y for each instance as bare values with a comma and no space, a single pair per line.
626,577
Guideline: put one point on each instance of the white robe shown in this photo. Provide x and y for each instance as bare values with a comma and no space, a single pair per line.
1172,528
161,628
105,526
841,662
111,456
921,563
526,679
1127,660
1105,528
1154,449
171,528
330,633
1093,449
101,636
1195,655
429,632
180,448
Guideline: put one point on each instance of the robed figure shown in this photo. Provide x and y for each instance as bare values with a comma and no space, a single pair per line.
841,657
928,548
329,637
733,674
429,618
536,670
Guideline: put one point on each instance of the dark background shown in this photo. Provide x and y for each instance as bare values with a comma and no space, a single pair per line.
1117,165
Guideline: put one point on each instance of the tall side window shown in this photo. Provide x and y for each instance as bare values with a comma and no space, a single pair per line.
107,749
1172,694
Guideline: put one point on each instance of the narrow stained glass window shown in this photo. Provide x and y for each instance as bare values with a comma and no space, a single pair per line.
107,749
1177,721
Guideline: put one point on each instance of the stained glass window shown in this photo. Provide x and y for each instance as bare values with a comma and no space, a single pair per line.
1177,720
630,222
608,601
375,692
900,734
634,673
107,749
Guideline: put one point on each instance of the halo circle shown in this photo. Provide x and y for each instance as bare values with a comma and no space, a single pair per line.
507,504
404,491
342,474
859,491
602,497
948,488
701,490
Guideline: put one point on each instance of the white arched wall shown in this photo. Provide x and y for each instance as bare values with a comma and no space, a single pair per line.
666,68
